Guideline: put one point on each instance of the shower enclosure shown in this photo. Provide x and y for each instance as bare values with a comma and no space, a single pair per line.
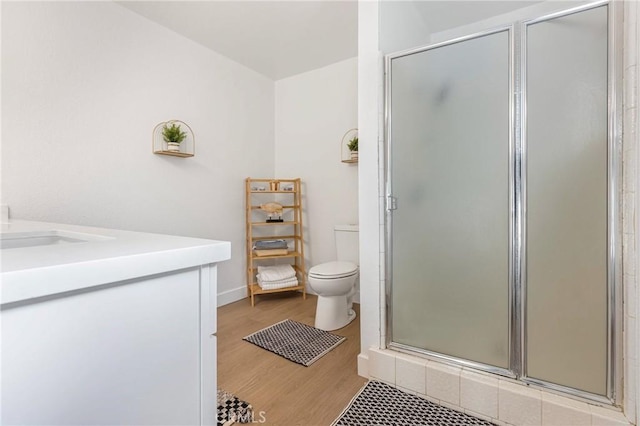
502,187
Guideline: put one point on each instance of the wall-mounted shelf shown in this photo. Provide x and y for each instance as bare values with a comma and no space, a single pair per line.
346,155
186,148
174,154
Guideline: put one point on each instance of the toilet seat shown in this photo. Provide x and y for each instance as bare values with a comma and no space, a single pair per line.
333,270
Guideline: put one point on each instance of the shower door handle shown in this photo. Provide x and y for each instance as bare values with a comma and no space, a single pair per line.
392,203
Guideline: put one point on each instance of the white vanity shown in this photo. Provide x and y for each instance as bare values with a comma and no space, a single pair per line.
100,326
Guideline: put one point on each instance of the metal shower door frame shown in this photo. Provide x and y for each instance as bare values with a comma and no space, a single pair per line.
517,206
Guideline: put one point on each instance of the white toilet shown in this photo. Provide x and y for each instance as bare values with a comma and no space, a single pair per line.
335,282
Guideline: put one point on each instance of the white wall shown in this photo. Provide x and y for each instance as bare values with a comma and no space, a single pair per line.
370,180
313,111
402,26
84,84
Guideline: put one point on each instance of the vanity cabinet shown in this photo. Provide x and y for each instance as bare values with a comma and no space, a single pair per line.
286,192
114,328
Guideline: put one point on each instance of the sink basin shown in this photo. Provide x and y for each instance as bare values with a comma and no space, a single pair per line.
13,240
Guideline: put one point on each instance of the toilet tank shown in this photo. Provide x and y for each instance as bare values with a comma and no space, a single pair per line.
347,243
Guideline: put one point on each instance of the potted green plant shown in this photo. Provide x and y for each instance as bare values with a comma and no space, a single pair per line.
353,147
173,135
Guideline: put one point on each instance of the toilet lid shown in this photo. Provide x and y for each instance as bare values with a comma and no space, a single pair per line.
333,270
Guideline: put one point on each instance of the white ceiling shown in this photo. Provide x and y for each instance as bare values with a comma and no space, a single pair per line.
281,38
275,38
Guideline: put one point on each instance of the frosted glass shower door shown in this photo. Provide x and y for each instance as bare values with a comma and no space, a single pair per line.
449,150
566,254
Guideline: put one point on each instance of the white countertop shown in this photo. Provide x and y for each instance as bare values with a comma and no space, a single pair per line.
105,256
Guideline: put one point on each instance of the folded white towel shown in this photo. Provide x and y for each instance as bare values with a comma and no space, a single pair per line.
276,273
271,285
285,281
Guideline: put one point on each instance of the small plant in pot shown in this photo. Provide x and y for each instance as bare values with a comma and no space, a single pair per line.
353,147
173,135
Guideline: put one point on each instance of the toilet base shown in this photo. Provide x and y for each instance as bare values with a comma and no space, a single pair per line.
332,313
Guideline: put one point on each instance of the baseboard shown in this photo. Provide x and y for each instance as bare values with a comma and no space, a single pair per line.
363,365
240,293
231,296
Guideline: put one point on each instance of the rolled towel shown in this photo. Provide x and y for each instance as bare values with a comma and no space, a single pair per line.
276,273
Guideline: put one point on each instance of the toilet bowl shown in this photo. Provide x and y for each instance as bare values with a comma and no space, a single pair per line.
334,283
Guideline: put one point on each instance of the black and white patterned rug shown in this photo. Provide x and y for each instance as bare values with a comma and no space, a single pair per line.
379,404
231,409
295,341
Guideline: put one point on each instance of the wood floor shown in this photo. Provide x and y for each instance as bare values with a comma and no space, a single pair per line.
280,391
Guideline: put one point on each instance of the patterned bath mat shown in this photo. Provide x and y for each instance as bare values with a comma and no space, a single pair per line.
231,409
295,341
380,404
